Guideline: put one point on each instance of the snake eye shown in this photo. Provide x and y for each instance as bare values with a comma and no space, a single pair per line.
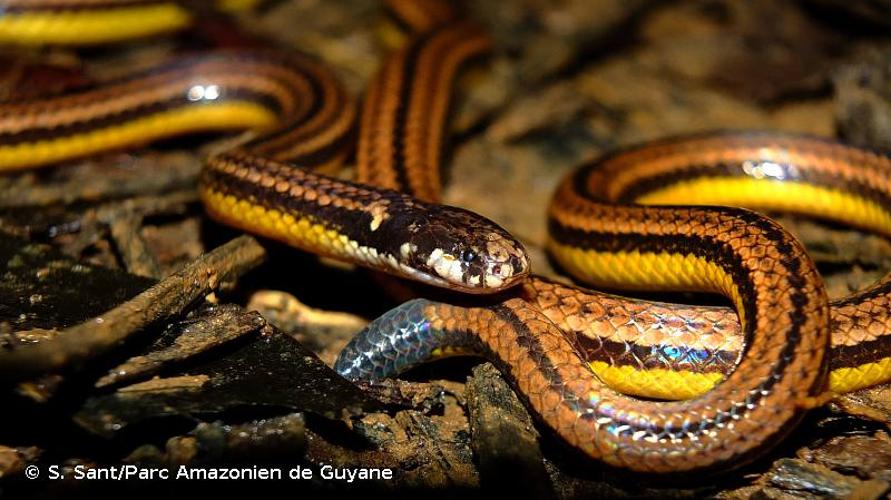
468,256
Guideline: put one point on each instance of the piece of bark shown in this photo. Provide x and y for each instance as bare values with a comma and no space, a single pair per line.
221,325
162,301
263,373
504,438
430,452
869,457
797,476
134,251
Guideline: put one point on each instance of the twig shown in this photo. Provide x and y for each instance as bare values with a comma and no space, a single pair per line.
219,326
162,301
137,257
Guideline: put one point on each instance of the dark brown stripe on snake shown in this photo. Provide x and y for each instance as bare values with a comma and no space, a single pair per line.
400,142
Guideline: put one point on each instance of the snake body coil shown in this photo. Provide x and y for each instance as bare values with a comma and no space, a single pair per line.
750,259
92,22
600,233
258,186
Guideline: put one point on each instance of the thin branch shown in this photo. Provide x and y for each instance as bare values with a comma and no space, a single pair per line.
162,301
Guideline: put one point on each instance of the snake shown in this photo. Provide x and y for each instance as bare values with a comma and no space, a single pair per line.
756,368
97,22
270,185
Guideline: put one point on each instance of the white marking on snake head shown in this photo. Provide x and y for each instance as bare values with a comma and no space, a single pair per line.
378,215
406,249
446,265
376,222
494,281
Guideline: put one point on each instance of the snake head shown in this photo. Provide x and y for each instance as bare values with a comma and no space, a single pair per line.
458,249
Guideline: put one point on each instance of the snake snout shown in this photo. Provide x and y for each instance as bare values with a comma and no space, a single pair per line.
506,261
468,252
